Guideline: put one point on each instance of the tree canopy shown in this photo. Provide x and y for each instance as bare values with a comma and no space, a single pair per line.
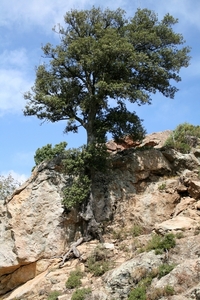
103,61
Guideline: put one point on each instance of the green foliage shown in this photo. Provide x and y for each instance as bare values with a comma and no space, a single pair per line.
98,263
136,230
158,293
80,294
77,192
162,187
79,165
48,153
103,54
7,186
139,293
161,243
74,280
164,269
184,137
53,295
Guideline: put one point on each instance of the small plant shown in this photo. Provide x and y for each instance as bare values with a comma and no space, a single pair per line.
160,244
123,247
74,279
158,293
119,235
162,187
168,290
138,293
179,235
164,269
53,295
80,294
184,137
136,230
97,263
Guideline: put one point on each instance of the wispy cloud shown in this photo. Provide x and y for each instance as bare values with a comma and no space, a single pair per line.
20,178
13,80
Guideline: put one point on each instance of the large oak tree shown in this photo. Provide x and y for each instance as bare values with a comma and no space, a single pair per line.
103,62
103,55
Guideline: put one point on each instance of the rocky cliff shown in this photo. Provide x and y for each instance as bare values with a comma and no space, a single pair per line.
149,190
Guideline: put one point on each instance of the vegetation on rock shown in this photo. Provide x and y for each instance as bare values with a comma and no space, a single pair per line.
161,243
80,294
184,137
53,295
74,280
7,186
48,152
104,55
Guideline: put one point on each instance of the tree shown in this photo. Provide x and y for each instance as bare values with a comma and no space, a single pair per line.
48,153
184,137
7,186
104,61
103,55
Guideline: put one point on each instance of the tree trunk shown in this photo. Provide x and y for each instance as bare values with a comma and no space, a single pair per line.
93,227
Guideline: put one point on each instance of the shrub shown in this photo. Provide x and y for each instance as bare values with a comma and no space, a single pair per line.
81,294
97,263
74,279
162,187
53,295
139,293
48,153
158,293
159,243
136,230
184,137
7,186
164,269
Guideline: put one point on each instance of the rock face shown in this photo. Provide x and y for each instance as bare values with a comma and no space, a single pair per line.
31,228
155,188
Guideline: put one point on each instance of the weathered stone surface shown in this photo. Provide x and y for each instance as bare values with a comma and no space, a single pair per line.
156,139
194,189
143,187
33,228
181,278
181,161
177,223
185,203
121,280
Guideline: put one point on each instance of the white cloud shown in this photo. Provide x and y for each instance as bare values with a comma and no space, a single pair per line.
13,80
21,178
14,58
13,83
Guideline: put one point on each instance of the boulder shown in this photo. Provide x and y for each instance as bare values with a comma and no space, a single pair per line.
122,279
175,224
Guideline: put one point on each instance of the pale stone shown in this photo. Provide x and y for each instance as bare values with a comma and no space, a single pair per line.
177,223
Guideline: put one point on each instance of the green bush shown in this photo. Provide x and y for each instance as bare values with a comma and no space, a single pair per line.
81,294
184,137
48,153
160,243
53,295
7,186
139,293
136,230
74,279
158,293
98,263
164,269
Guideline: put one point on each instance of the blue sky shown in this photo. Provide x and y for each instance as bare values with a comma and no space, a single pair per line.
26,25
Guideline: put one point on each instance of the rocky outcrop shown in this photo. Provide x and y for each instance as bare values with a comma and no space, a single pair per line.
157,189
32,228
